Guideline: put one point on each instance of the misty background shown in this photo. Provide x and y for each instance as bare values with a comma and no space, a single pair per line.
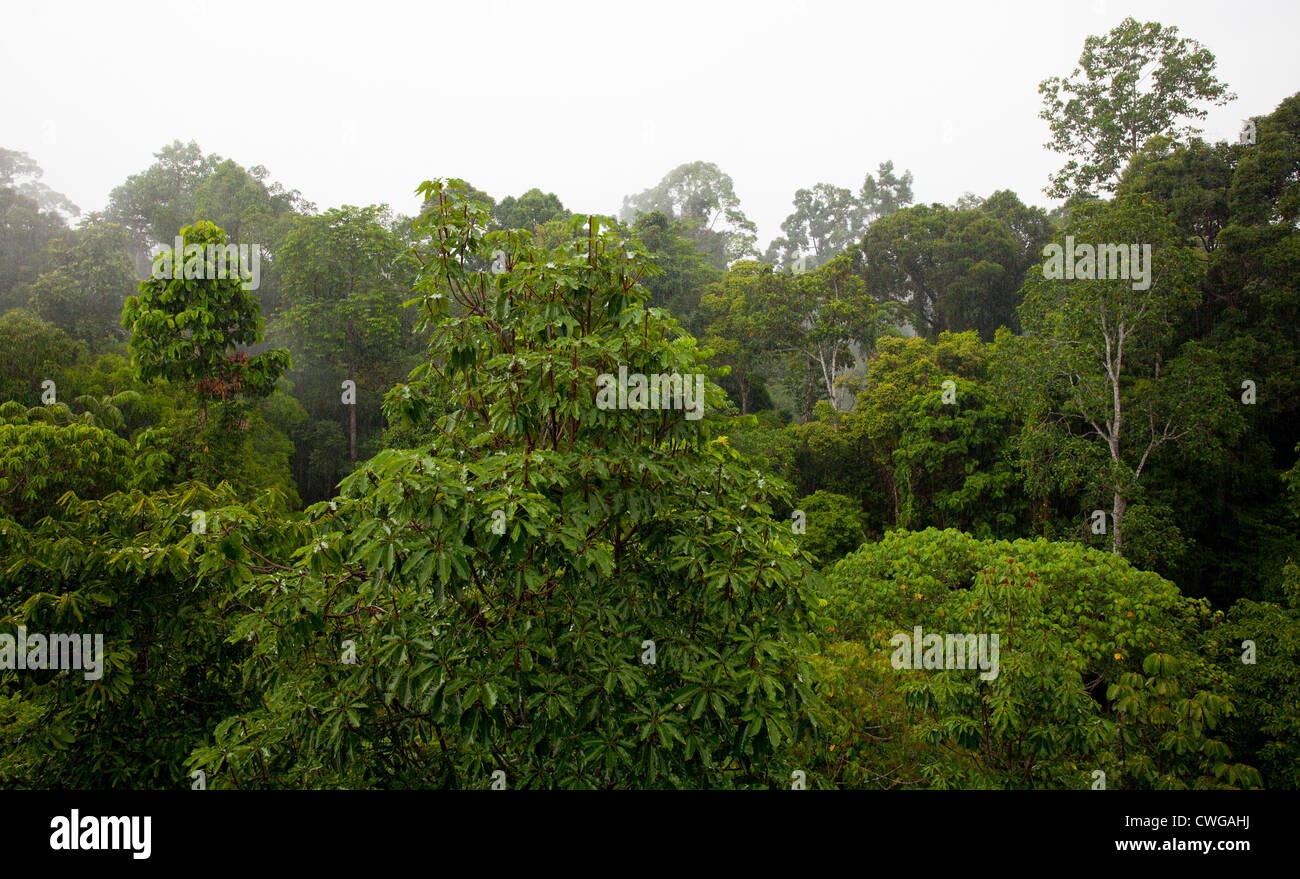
357,103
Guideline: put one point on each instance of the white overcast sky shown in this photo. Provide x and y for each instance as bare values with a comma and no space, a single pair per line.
356,103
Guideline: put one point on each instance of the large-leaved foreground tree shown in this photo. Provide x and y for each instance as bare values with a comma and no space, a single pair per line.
547,593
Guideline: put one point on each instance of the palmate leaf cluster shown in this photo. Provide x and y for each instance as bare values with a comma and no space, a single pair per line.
499,585
44,453
131,567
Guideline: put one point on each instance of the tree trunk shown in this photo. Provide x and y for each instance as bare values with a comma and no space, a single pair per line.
1120,503
1116,517
887,476
828,377
352,410
811,396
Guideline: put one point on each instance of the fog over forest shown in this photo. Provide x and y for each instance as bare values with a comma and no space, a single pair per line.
696,396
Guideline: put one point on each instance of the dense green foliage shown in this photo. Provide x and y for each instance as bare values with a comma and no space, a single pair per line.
1100,666
127,565
521,648
372,523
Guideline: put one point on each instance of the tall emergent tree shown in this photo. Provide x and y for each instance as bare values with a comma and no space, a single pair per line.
184,186
955,269
344,273
827,219
1102,389
15,165
1138,81
701,194
549,593
153,204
